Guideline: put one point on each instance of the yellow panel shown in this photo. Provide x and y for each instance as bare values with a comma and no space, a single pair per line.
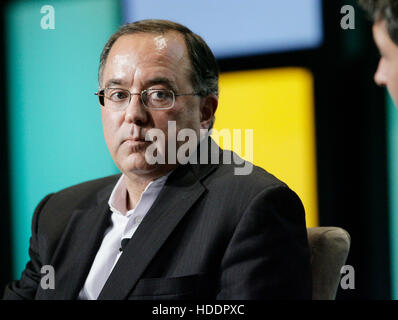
278,105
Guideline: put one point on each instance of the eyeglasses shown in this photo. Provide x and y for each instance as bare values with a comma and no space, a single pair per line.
158,99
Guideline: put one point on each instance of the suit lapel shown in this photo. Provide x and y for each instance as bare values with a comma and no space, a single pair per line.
78,246
182,189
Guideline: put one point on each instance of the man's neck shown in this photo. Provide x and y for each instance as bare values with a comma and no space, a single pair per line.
137,183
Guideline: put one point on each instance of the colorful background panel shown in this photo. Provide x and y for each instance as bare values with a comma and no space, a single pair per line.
278,105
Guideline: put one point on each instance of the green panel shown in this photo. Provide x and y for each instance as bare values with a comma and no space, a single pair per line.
55,129
392,138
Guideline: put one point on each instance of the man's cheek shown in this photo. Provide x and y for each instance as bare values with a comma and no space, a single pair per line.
110,139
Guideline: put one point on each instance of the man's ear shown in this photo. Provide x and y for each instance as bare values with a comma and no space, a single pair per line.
208,108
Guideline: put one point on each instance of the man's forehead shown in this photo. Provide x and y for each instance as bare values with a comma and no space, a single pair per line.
170,43
151,54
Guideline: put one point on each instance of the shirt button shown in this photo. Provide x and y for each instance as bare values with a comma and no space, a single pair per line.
137,220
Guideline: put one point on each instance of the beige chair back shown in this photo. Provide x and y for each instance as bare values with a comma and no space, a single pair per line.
329,251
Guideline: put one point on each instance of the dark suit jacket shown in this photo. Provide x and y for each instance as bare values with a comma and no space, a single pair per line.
210,234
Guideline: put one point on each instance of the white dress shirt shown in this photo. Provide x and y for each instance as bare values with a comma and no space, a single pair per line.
123,225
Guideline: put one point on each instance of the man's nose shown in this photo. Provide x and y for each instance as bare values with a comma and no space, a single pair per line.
135,111
380,75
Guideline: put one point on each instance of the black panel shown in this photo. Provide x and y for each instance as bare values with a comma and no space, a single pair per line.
5,214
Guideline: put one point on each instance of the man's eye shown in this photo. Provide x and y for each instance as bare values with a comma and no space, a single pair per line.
118,95
158,95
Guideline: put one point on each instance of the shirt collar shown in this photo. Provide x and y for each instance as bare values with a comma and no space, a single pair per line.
117,200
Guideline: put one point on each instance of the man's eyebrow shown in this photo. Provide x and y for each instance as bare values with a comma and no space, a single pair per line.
112,82
152,82
161,80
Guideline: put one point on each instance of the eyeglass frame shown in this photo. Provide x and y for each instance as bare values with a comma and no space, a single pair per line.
101,93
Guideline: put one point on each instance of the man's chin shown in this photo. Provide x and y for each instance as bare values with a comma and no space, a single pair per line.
146,170
140,168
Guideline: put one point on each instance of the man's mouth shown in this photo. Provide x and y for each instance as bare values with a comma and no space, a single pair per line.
136,144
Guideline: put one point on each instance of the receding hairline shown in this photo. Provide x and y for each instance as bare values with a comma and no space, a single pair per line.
177,36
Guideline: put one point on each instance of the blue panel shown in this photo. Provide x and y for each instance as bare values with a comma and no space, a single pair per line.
55,128
392,147
236,27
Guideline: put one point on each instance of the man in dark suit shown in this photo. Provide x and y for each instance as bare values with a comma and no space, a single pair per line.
167,229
